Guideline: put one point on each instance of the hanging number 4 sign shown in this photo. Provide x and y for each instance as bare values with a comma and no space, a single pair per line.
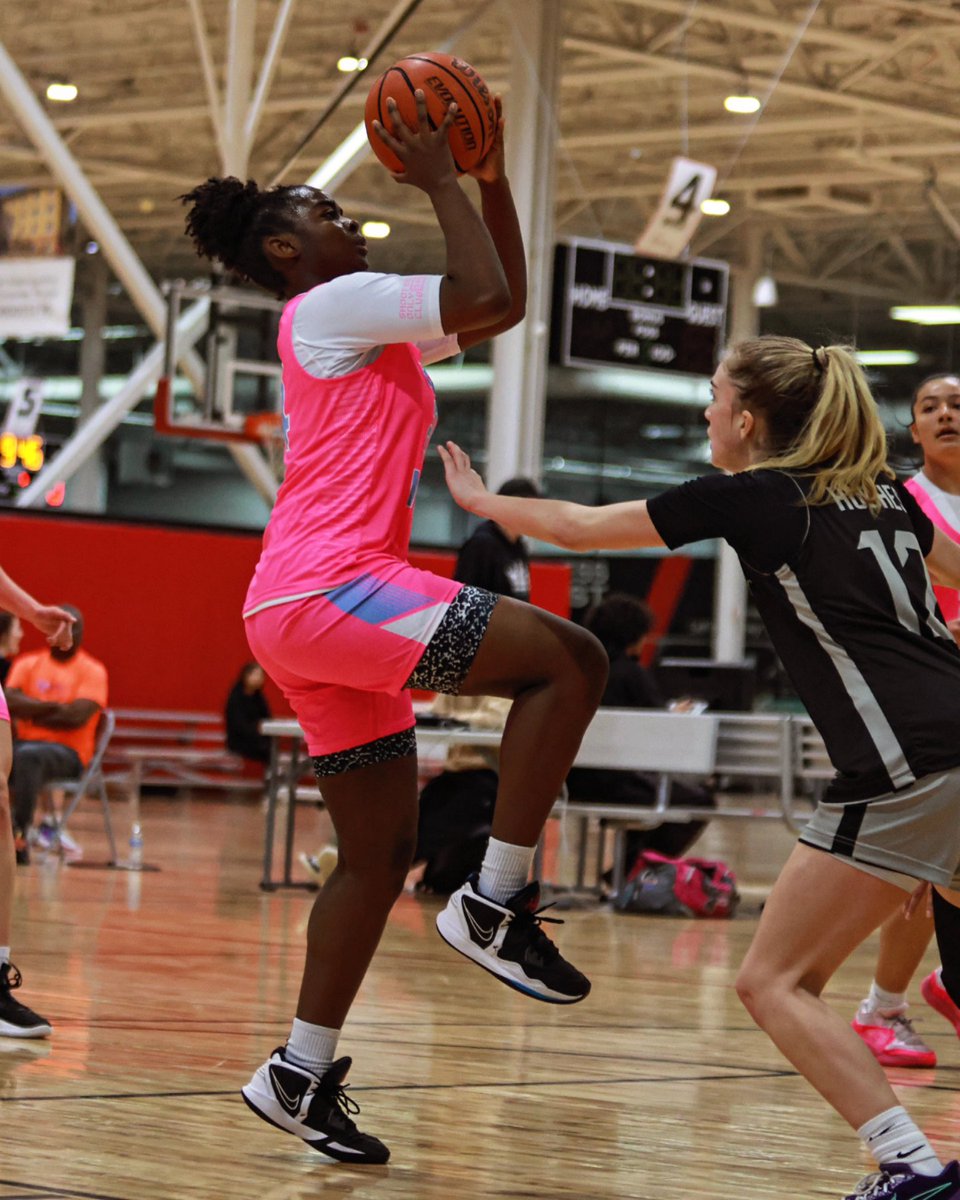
674,223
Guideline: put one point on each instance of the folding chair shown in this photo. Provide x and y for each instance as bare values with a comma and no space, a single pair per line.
89,782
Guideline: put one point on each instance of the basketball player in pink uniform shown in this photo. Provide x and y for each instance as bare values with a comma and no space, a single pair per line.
882,1019
56,624
346,626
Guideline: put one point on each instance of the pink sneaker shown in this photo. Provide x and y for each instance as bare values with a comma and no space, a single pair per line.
937,997
892,1040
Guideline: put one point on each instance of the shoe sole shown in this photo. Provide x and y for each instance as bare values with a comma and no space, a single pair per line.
321,1148
945,1008
891,1060
919,1061
17,1031
455,940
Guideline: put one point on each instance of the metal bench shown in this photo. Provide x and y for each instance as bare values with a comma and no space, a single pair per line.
780,749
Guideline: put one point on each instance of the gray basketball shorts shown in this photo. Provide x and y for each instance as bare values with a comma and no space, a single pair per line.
903,836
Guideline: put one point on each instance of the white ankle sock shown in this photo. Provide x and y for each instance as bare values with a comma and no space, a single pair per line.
893,1137
311,1046
878,998
505,870
4,954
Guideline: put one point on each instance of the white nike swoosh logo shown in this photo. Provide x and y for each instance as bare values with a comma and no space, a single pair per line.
290,1103
485,935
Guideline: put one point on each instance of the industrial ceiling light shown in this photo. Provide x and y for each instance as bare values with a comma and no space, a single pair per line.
887,358
350,62
742,103
62,92
715,207
927,314
375,229
765,293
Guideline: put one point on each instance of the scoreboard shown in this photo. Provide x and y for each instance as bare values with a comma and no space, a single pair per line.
612,307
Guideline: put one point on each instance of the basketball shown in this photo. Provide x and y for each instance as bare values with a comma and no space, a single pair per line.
443,79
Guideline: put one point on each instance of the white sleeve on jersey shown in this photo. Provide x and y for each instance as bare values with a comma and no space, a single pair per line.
342,325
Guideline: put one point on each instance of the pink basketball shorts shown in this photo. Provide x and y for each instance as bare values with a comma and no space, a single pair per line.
344,658
4,707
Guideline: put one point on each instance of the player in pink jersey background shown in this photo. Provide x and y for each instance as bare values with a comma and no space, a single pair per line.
346,626
882,1019
56,624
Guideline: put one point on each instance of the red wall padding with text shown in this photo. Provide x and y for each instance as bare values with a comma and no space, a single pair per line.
162,605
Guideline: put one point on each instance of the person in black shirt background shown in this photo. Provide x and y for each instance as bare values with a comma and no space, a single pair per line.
494,557
246,707
621,622
836,554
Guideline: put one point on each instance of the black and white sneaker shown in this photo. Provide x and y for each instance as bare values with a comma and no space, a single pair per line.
506,940
314,1107
16,1020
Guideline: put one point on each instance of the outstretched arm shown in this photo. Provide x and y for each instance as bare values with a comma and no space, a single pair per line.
624,526
56,624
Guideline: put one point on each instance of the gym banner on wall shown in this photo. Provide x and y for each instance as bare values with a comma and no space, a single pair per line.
35,296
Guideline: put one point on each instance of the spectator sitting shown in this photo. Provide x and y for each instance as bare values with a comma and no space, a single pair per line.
246,707
56,697
621,622
496,558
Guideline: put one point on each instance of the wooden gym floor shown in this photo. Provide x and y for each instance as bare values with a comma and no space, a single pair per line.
168,988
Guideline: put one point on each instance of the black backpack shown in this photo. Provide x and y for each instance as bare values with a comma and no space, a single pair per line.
456,811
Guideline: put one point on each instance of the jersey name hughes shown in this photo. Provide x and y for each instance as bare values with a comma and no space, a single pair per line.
888,499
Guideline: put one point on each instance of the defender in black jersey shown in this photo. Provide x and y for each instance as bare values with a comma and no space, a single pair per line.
837,554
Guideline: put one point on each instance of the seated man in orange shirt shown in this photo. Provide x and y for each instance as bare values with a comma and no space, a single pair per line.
56,697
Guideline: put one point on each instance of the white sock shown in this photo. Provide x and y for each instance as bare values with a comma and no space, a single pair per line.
886,1002
311,1046
505,870
4,954
893,1137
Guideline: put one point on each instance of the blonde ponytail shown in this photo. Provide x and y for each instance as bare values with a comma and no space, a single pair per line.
818,413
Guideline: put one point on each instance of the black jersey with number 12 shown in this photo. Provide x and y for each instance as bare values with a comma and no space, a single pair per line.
848,604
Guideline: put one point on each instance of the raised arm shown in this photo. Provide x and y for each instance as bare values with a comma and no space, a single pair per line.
623,526
474,292
500,217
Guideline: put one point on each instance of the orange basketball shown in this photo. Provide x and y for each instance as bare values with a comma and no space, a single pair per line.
443,79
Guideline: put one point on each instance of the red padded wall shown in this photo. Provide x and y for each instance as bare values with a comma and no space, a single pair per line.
162,605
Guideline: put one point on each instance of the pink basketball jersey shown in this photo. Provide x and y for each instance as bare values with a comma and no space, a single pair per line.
947,598
354,452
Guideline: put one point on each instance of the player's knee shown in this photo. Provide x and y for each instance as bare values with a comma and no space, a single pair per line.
594,660
383,871
755,985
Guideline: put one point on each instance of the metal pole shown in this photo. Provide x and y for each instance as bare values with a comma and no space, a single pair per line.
88,489
93,432
730,586
516,407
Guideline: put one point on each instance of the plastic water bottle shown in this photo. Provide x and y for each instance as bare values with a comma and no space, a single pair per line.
136,848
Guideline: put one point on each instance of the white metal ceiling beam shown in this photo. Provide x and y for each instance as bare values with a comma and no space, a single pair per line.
743,18
268,69
95,430
115,247
240,38
680,66
209,74
721,131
